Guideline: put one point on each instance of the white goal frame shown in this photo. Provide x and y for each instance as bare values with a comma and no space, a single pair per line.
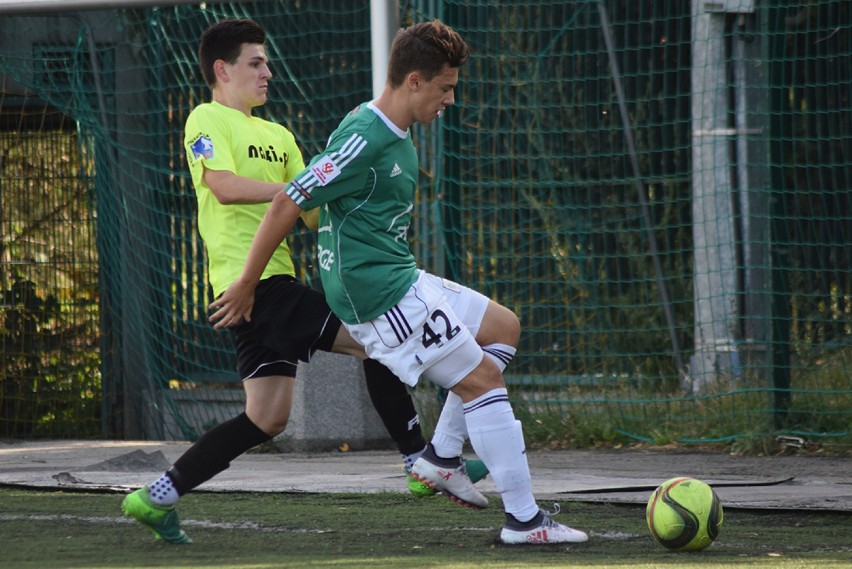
34,7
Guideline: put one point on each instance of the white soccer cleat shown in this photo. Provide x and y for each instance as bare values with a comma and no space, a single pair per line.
541,529
452,482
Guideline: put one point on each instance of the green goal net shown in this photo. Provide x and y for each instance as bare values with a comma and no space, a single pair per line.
660,191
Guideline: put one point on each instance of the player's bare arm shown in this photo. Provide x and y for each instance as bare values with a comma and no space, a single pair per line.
236,303
231,189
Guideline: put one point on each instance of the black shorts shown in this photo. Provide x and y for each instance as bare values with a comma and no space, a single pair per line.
289,322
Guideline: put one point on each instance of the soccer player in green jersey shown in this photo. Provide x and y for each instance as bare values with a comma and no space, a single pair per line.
238,163
414,322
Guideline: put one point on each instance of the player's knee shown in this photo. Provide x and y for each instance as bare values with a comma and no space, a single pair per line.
512,329
271,424
500,326
274,429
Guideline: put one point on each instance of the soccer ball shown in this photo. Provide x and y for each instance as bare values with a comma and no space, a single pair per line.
684,514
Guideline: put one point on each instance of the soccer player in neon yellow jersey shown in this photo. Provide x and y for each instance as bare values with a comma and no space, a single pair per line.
413,322
238,163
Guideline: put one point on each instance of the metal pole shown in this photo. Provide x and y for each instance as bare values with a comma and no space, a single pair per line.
752,173
384,22
714,238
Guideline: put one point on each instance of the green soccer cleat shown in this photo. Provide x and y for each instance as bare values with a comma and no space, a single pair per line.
162,522
417,488
476,471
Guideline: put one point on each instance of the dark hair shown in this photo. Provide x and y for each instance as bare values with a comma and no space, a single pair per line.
224,40
426,47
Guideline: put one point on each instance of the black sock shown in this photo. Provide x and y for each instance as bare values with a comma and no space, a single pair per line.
214,451
395,406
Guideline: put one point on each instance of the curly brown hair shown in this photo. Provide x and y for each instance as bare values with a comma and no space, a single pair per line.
426,47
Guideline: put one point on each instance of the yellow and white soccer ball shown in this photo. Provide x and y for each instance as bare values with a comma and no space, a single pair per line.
684,514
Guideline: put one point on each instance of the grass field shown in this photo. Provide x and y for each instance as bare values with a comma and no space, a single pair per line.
41,529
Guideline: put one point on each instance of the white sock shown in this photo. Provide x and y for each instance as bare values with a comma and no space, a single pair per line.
500,354
410,459
451,430
162,491
498,440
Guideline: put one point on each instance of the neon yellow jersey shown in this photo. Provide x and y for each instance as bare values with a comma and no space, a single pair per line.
221,138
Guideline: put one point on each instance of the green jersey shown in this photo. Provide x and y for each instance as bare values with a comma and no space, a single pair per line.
365,180
221,138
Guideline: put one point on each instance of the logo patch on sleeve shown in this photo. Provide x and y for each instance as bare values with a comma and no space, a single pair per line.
202,148
325,170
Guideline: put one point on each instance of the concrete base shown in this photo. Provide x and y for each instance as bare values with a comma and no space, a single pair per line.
332,409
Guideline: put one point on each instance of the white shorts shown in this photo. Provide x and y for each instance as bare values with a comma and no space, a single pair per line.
468,304
427,333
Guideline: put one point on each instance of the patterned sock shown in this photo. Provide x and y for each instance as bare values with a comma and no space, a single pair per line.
411,458
162,491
